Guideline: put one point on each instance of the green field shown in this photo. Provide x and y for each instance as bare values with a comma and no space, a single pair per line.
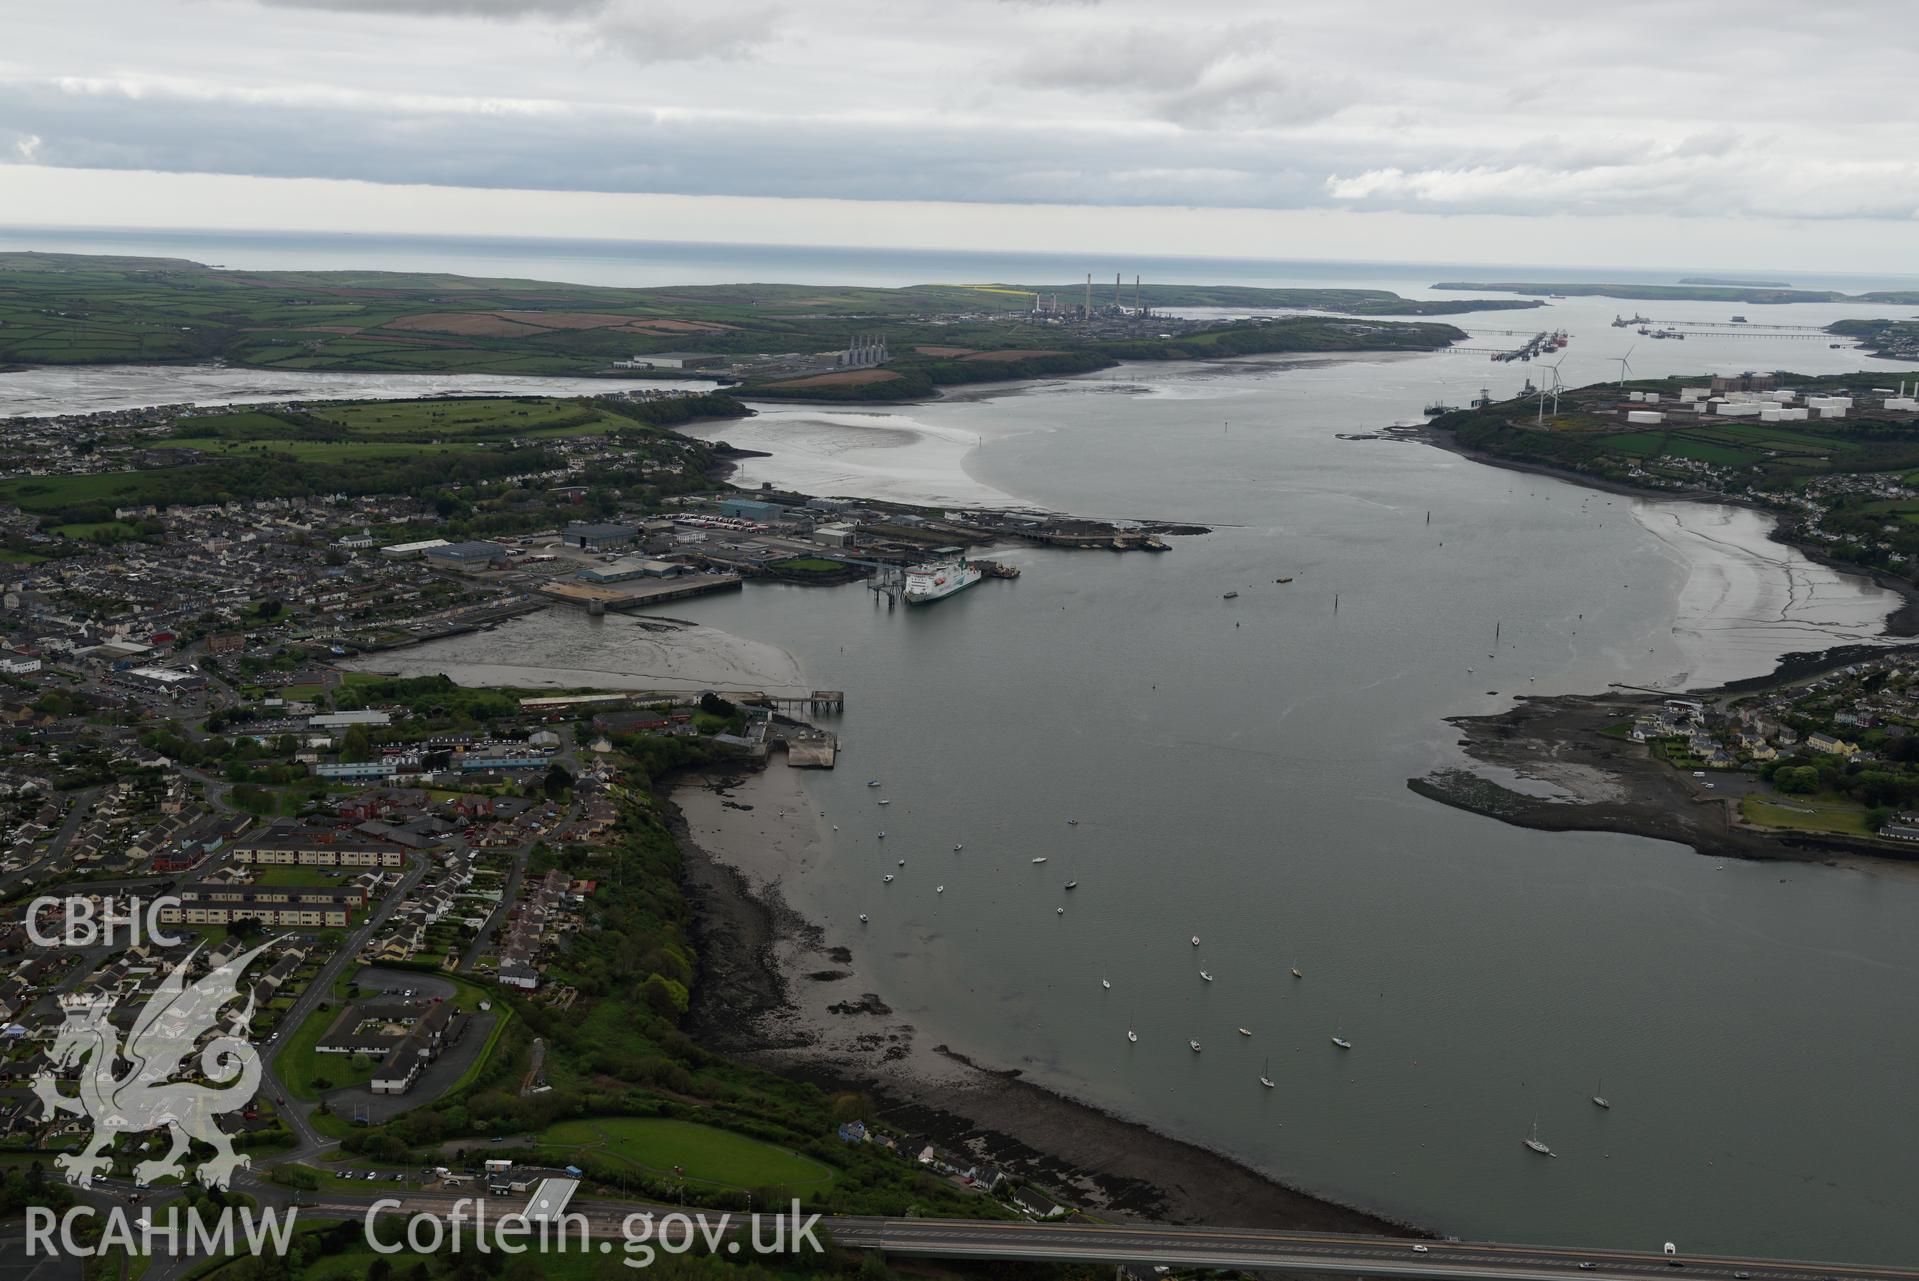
305,450
717,1158
1806,816
81,309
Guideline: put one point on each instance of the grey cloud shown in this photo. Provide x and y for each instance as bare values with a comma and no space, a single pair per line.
503,9
1393,104
653,34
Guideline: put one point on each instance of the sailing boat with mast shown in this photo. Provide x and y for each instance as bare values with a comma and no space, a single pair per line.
1599,1095
1266,1075
1533,1141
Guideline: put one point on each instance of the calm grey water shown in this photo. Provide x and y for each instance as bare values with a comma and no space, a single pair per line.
1238,771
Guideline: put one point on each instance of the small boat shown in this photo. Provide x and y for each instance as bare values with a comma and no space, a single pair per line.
1599,1096
939,889
1287,579
1071,884
1230,596
1072,822
1059,911
1266,1075
1195,940
1195,1045
1342,1042
1208,977
1040,859
1297,974
872,782
887,879
1132,1035
902,863
885,802
1246,1031
882,835
862,918
1533,1142
958,848
1107,984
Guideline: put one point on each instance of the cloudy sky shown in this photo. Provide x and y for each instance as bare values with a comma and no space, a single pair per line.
1659,132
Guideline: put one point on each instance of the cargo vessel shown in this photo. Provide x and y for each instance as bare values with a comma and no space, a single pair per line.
940,579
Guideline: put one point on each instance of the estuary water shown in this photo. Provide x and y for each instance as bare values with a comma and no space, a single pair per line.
1237,769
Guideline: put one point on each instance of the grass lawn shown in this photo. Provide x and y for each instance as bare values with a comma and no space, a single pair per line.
304,876
300,1065
717,1158
1806,816
88,529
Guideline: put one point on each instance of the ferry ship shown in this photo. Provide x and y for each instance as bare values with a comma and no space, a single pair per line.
928,583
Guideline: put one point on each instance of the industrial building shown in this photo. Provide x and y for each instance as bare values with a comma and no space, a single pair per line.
412,551
753,509
467,557
673,360
632,567
591,537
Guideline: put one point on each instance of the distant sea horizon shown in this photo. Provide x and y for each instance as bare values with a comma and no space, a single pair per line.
641,263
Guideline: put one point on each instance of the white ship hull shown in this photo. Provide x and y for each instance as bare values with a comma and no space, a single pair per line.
929,583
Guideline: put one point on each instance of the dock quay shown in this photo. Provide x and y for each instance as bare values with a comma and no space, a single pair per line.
819,700
458,624
597,598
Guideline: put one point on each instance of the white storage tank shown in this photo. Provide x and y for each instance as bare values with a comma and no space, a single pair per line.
1906,404
1694,393
1771,415
1644,416
1651,398
1738,409
1793,415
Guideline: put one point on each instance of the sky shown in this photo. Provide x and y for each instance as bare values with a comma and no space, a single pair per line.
1685,132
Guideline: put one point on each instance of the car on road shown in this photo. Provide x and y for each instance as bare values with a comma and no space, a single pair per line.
1742,1276
370,1176
1422,1249
1587,1266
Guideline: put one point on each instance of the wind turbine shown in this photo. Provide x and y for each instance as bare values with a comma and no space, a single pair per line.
1625,368
1556,385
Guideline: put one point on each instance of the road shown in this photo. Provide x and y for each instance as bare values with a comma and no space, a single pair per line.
1185,1247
